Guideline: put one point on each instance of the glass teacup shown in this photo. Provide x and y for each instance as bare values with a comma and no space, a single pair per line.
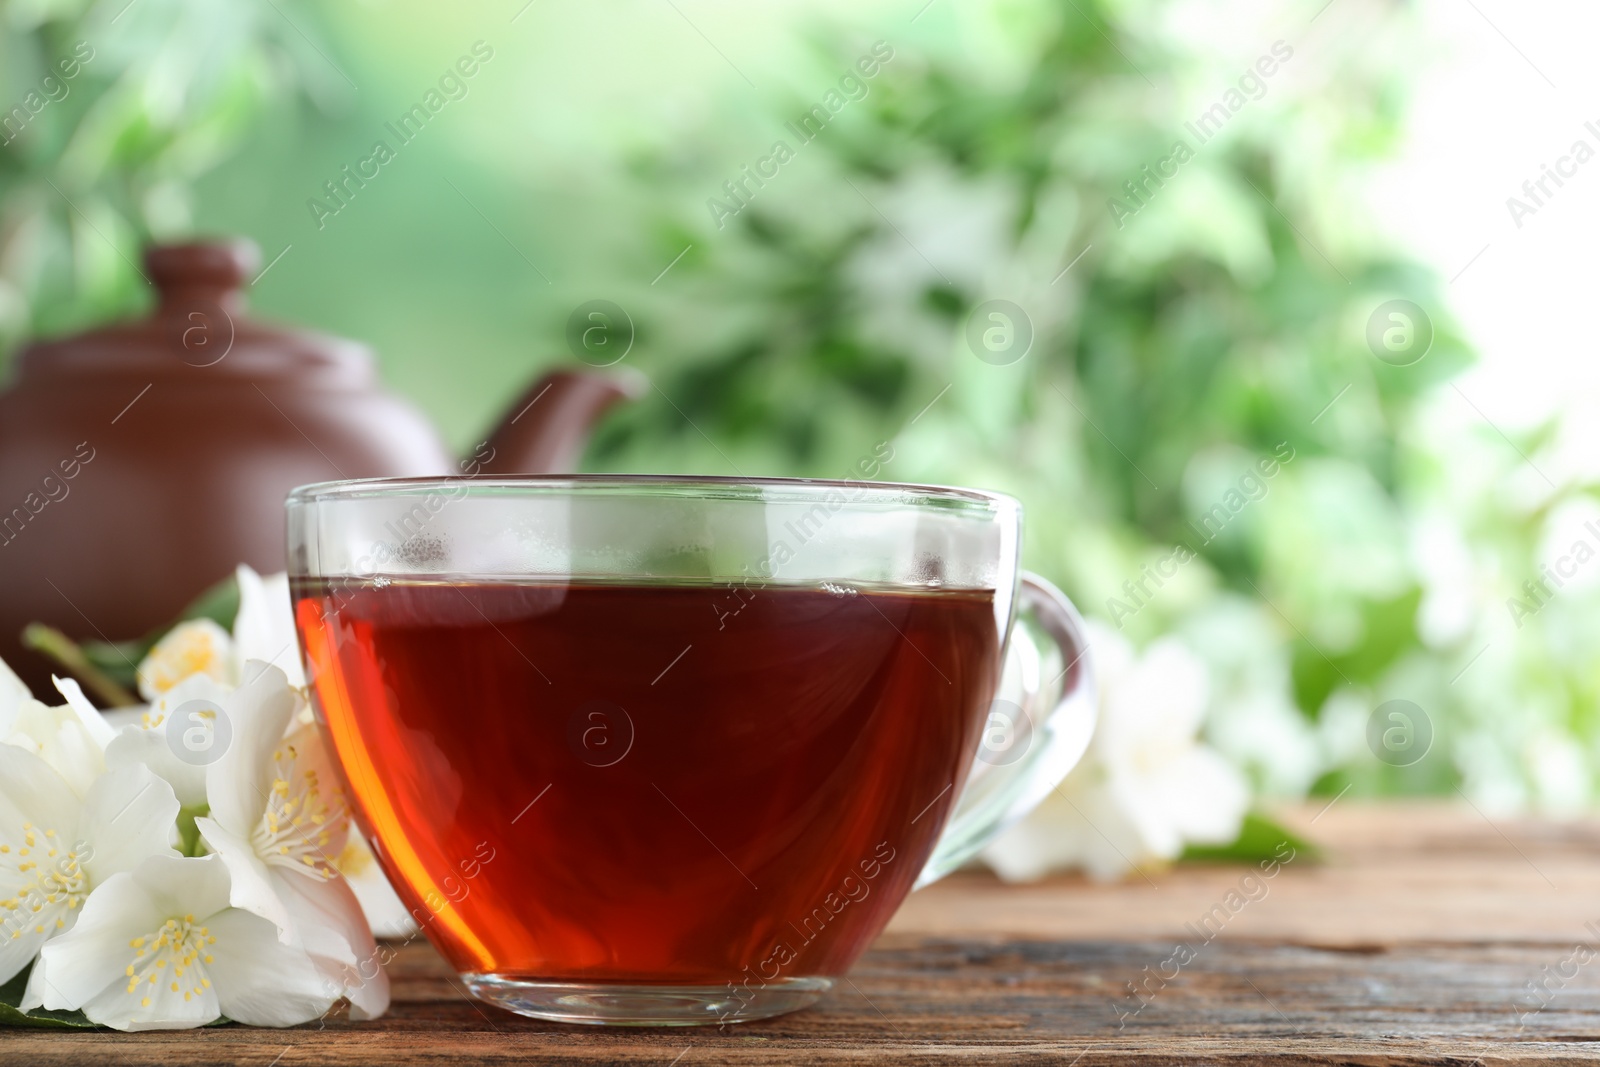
658,750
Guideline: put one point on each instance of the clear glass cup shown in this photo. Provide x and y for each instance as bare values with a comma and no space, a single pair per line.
670,750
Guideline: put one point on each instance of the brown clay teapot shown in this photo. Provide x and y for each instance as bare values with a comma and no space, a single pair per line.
141,462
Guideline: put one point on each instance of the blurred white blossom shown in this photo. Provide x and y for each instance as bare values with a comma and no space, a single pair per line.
1148,785
194,647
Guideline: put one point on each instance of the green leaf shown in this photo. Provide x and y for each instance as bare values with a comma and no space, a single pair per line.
11,1014
1260,838
220,604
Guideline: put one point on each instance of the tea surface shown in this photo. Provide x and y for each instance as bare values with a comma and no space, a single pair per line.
667,783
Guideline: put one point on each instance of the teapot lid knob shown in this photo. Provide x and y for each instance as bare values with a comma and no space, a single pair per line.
209,270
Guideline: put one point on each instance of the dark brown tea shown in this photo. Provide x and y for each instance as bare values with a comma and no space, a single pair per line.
673,783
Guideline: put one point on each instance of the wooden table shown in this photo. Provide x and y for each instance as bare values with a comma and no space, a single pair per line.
1415,941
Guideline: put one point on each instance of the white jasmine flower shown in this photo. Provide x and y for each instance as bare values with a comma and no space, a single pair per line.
265,630
118,924
278,818
1147,787
161,948
197,646
55,848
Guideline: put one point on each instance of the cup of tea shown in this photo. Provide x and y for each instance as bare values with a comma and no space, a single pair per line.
669,750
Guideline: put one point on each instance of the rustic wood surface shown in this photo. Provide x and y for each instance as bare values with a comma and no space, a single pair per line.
1416,940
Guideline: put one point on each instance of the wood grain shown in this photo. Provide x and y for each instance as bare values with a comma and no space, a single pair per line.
1392,873
1415,942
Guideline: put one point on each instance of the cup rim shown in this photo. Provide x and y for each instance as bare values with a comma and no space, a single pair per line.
903,494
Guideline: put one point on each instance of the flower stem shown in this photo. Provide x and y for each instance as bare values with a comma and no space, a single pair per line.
188,832
65,652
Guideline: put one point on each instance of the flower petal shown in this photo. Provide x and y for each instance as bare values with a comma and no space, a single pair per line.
152,1007
261,981
179,885
252,887
1208,797
148,741
128,815
147,746
33,994
334,930
22,937
237,782
91,718
264,628
320,917
322,790
82,962
60,739
32,792
38,814
12,693
386,913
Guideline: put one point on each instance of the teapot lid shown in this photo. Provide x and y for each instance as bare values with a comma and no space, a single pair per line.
199,323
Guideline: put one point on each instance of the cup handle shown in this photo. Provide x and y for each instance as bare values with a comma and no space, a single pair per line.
1029,743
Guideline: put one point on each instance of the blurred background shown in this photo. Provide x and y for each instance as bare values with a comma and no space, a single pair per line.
1197,217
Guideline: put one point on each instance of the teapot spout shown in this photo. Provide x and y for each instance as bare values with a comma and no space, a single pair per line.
545,430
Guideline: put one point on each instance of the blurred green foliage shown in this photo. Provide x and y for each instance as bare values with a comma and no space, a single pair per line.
97,161
1223,322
